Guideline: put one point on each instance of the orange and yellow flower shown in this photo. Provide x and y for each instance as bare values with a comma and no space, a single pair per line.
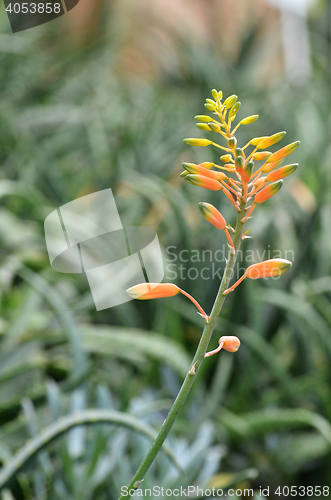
268,268
202,181
281,153
270,141
212,215
267,192
145,291
282,172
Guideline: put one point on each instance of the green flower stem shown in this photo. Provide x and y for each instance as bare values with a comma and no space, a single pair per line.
196,363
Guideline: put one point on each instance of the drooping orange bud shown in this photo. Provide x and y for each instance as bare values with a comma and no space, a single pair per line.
263,155
268,268
267,192
273,139
275,175
145,291
212,215
271,166
230,343
205,182
197,142
281,153
256,140
194,169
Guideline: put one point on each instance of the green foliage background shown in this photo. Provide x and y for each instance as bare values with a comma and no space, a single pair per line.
72,123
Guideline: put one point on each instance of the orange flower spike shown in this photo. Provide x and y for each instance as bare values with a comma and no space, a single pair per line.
268,269
229,343
146,291
270,141
281,153
205,182
212,215
267,192
278,174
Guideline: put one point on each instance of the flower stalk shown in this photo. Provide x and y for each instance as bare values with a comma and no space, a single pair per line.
239,191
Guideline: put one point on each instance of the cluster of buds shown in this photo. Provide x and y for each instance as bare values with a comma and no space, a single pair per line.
247,176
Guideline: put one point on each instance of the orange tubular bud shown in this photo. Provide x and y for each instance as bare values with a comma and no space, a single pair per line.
267,192
283,152
145,291
257,183
205,182
264,155
278,174
230,343
273,139
268,269
212,215
246,174
271,166
200,170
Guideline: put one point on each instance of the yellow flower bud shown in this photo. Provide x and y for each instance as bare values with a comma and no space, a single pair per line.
214,127
270,141
229,102
249,119
202,118
263,155
256,140
203,126
226,158
197,142
234,110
